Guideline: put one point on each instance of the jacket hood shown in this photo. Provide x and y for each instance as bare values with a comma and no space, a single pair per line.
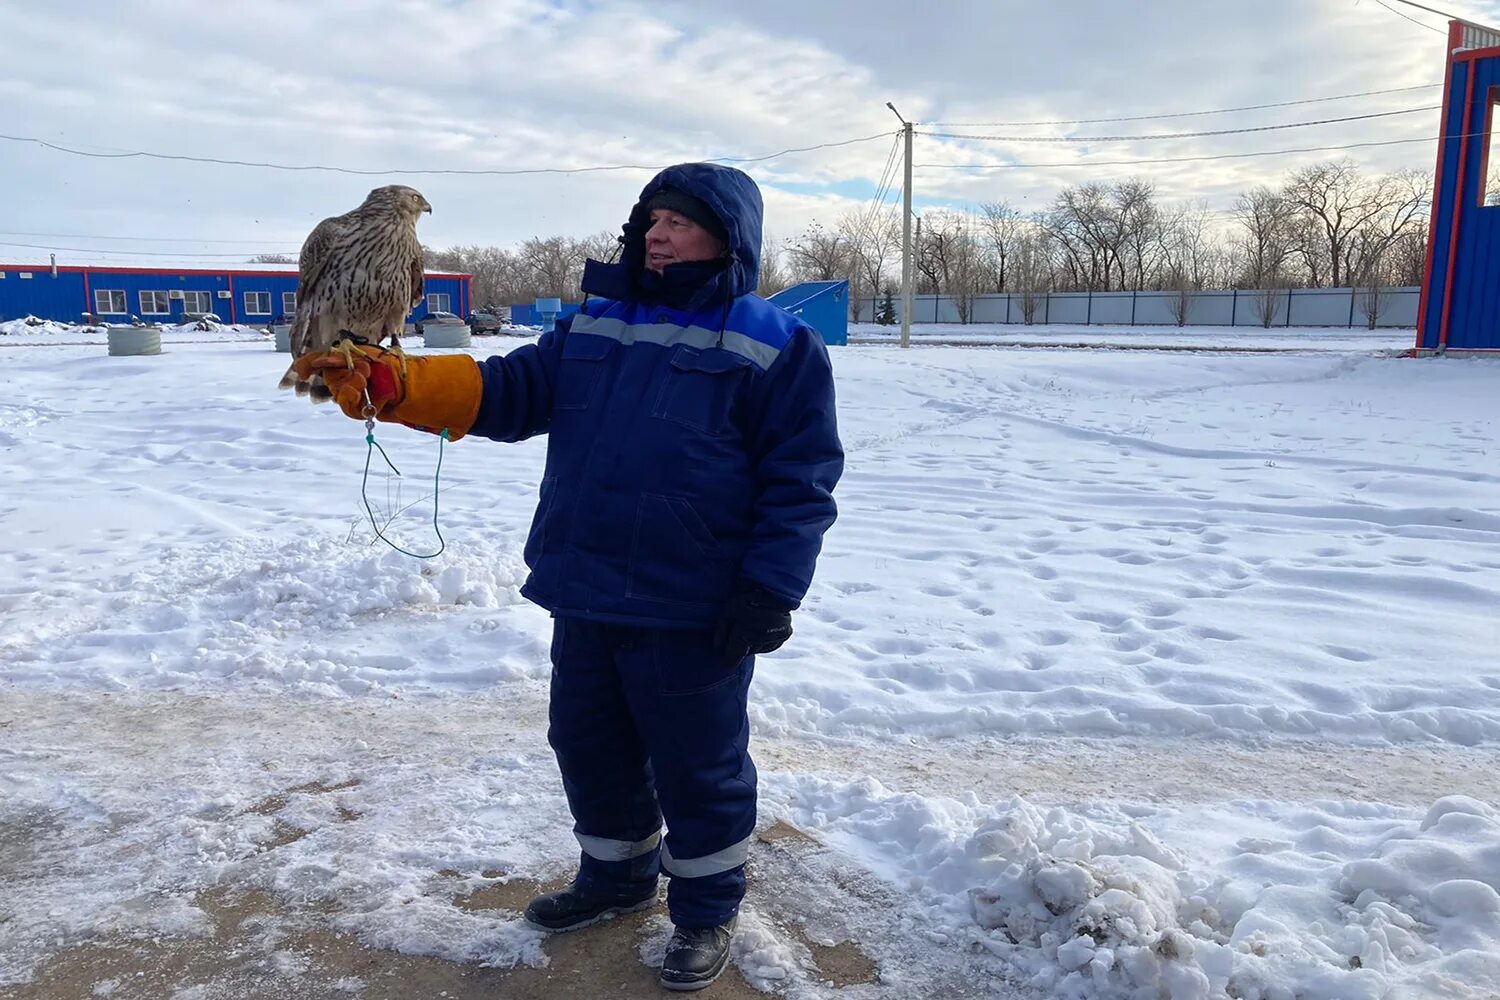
734,199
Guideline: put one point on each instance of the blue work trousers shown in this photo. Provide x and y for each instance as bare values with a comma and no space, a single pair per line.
650,724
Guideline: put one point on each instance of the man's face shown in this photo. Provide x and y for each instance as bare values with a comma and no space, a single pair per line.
675,239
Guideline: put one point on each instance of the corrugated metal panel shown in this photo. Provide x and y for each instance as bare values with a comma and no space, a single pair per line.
60,298
822,305
75,291
1468,262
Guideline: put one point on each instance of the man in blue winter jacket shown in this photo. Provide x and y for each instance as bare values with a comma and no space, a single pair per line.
692,458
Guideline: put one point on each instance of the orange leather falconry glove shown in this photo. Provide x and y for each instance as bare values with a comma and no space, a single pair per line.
433,393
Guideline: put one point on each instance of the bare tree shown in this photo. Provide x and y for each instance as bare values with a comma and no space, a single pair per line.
874,242
999,228
1269,238
950,255
1031,270
819,254
1336,205
1180,283
1108,235
1403,202
273,258
773,276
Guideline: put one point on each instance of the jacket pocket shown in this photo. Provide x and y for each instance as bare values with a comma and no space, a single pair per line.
536,541
674,557
580,370
700,387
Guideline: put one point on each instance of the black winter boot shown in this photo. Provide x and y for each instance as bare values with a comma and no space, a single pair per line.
575,907
696,956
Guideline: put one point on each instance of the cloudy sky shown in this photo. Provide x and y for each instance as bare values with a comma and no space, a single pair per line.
522,84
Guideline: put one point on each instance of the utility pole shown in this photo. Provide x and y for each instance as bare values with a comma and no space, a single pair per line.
906,258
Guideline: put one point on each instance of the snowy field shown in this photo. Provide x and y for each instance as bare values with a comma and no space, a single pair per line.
1126,674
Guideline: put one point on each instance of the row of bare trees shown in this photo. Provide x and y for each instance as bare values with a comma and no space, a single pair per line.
1327,225
550,267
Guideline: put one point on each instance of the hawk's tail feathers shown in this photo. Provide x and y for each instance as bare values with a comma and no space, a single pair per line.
301,320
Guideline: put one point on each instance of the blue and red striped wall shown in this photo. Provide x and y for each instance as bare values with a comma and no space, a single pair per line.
1460,305
164,295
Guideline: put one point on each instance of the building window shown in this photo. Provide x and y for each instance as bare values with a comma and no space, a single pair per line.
1489,173
200,303
257,303
438,302
289,304
109,301
155,304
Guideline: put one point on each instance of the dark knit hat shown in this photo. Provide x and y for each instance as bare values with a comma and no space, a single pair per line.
676,200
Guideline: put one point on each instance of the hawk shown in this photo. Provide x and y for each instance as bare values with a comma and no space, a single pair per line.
359,273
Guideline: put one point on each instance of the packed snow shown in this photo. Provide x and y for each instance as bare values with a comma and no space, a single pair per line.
1126,674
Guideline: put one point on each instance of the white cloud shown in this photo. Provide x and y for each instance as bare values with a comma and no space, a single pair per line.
484,84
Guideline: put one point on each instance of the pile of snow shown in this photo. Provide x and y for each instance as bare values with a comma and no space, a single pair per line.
1344,909
35,326
1339,901
32,330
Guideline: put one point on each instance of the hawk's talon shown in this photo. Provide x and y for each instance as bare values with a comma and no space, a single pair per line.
345,348
400,354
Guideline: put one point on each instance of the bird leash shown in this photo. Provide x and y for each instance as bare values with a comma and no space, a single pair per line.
371,447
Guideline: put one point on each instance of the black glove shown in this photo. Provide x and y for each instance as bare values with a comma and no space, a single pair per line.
754,621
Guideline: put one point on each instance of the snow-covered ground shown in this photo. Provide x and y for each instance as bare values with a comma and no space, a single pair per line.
1125,674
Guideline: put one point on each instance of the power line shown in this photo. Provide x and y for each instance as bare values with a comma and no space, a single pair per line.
1403,14
883,189
1434,10
1183,114
1178,135
179,157
1170,159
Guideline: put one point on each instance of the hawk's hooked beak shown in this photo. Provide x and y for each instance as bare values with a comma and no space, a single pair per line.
426,207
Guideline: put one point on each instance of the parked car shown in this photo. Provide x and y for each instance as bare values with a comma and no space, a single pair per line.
437,317
487,321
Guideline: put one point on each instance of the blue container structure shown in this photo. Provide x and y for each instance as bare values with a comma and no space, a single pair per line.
527,315
1460,304
254,297
822,305
546,312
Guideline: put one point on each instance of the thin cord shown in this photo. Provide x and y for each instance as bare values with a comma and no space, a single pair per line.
1183,114
467,173
1176,159
1403,14
1178,135
1434,10
372,446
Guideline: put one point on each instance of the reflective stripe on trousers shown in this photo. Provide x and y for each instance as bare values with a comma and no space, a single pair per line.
604,849
710,864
